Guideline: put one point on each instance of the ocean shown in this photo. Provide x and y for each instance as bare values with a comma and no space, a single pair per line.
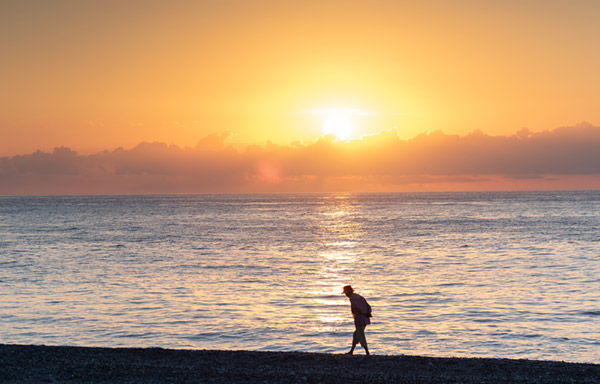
473,274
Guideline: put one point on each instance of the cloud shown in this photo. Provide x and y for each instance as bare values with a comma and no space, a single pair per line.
566,157
62,161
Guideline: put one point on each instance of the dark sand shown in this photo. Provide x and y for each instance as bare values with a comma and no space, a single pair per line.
42,364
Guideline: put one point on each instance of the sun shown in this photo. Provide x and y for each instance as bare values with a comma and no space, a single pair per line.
338,124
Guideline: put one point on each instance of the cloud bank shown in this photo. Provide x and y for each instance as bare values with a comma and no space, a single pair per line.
563,158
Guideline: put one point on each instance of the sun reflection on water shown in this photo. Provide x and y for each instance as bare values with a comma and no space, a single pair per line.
338,259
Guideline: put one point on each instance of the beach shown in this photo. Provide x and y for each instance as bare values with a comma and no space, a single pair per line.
63,364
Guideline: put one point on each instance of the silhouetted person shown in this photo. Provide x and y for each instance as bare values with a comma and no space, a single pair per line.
361,311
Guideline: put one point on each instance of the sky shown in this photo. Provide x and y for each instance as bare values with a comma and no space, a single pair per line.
284,96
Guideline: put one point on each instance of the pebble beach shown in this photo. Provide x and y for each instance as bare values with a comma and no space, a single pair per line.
56,364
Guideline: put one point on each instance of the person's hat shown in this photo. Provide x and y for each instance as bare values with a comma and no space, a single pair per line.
347,288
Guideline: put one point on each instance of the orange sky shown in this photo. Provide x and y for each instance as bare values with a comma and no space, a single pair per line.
99,75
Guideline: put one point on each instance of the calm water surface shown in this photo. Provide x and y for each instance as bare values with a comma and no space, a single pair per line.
510,274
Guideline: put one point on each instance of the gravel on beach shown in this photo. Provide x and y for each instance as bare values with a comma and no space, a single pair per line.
45,364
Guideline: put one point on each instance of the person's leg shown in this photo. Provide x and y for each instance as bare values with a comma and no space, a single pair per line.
361,338
354,340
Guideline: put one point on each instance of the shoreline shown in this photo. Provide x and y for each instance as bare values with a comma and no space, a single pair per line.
65,364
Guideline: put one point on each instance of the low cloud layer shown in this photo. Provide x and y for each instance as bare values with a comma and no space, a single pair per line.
563,158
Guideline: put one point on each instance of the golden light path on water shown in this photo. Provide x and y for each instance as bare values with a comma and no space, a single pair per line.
338,264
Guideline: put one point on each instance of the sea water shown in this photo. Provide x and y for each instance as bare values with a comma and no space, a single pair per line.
480,274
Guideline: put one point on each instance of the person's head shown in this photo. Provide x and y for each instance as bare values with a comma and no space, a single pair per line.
348,290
